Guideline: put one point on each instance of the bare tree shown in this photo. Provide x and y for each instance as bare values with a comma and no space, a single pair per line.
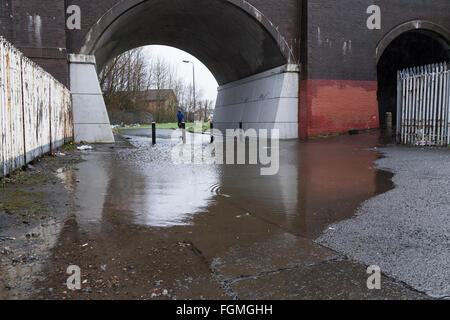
129,76
206,109
123,79
161,76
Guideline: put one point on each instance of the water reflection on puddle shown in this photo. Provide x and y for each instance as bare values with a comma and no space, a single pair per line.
128,186
319,183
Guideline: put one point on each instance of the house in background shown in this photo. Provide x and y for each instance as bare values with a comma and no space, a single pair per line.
162,104
152,100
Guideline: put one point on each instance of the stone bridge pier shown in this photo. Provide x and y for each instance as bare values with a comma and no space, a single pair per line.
91,121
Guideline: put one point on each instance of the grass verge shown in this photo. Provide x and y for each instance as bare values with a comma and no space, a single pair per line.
167,126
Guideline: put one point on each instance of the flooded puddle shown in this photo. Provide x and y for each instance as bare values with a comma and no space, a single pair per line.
319,182
143,227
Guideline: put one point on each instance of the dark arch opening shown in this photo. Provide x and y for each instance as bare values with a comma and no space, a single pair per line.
232,38
412,48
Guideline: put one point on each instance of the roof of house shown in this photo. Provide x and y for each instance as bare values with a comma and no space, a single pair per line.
156,95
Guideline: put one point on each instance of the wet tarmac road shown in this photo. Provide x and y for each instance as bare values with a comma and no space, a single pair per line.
145,228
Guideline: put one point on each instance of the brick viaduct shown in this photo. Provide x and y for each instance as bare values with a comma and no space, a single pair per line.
307,67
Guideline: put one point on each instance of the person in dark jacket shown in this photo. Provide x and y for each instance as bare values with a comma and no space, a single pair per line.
180,117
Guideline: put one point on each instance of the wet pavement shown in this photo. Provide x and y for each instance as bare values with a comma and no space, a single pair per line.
141,227
407,230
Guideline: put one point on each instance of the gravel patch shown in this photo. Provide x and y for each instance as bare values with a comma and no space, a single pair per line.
405,231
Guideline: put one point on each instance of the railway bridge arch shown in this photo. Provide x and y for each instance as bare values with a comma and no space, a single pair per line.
251,60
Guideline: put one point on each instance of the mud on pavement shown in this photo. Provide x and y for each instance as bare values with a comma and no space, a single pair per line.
33,203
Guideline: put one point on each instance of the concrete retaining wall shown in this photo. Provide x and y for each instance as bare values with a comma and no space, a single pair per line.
268,100
35,110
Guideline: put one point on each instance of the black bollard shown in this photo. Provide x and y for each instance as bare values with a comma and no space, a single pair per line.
211,126
240,131
183,127
153,132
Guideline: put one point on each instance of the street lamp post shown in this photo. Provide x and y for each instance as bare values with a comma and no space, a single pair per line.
193,83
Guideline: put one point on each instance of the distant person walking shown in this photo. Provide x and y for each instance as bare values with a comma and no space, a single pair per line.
180,117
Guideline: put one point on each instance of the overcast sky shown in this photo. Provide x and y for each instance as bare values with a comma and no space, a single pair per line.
203,78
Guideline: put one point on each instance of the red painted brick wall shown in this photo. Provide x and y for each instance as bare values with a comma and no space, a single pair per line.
336,106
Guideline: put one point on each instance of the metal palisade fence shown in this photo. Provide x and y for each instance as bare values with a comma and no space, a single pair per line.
35,110
423,105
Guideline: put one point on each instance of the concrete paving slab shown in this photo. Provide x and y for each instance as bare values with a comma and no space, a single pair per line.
342,280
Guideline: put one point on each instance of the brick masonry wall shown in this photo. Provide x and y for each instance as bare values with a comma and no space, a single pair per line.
5,19
338,53
335,106
91,12
282,13
339,44
286,16
37,28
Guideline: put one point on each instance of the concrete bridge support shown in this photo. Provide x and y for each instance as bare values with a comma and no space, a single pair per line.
268,100
91,121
